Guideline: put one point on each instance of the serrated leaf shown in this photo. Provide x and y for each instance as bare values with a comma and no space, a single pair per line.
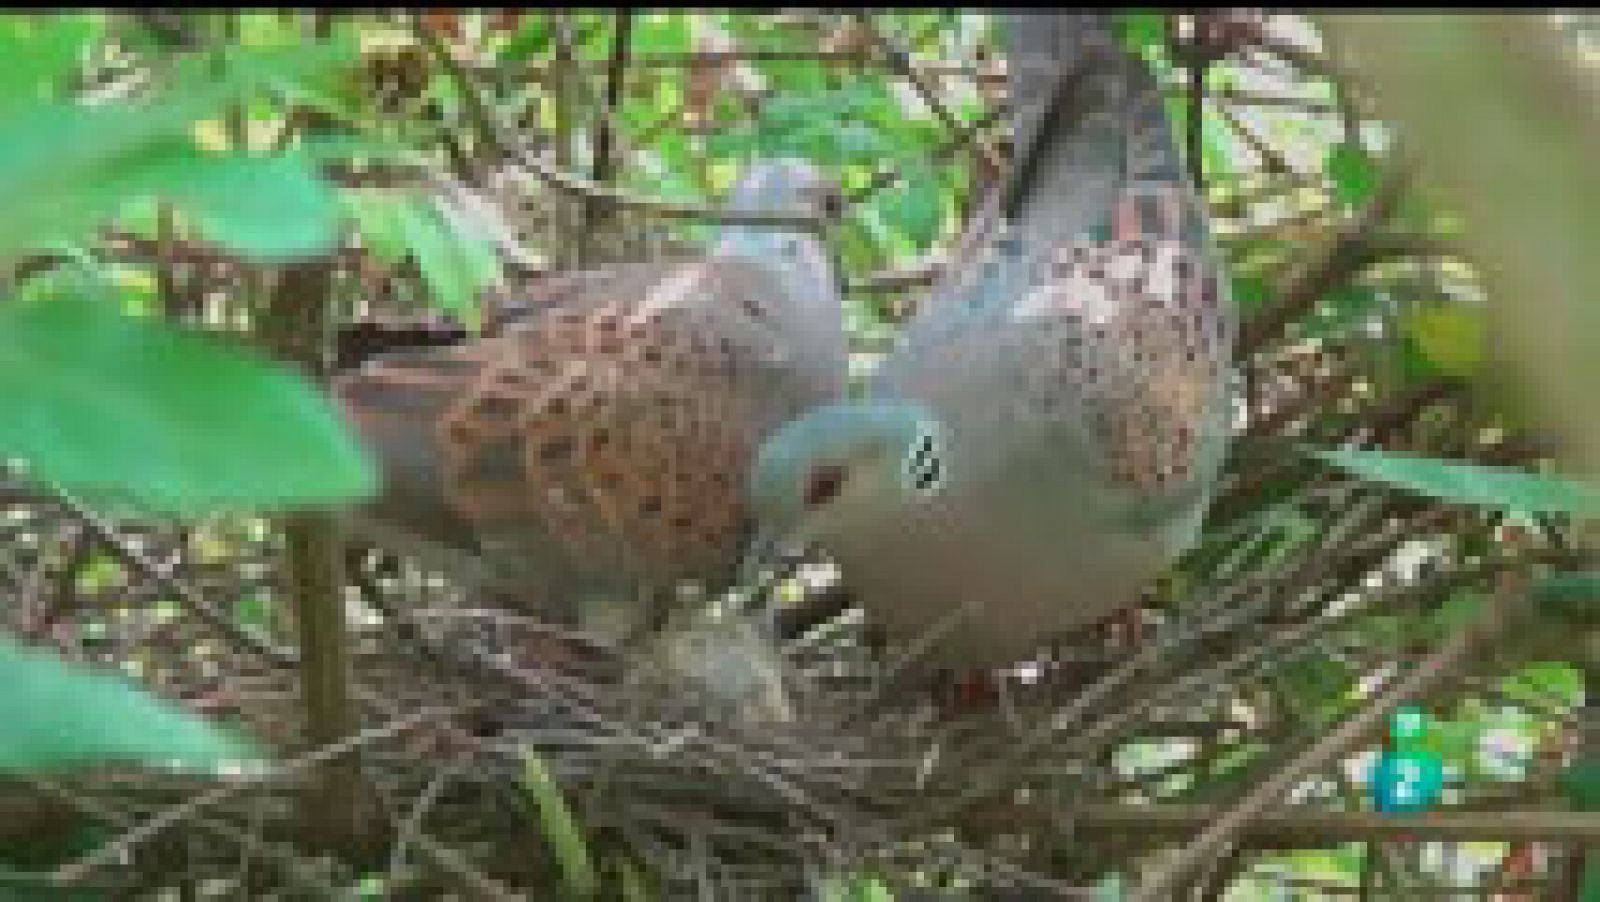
1496,487
560,828
54,716
1354,176
128,410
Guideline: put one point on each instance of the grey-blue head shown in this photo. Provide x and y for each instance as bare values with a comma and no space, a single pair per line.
785,185
825,471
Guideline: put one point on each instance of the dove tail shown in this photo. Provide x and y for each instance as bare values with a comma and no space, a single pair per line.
1042,47
1089,129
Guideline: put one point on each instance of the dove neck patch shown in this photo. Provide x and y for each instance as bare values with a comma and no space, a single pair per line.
923,472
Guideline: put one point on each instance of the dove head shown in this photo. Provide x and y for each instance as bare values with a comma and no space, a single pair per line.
829,469
786,186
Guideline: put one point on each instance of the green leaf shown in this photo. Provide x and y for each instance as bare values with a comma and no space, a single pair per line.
270,209
630,883
1589,891
1580,783
1496,487
534,37
64,167
1450,337
560,828
1354,176
127,410
453,277
40,53
1569,596
378,223
1341,309
1143,33
661,33
54,716
1250,292
871,889
914,208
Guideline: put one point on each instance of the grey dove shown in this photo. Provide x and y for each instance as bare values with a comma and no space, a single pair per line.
1045,437
588,451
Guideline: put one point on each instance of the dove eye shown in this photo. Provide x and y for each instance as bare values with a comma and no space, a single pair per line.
924,467
823,484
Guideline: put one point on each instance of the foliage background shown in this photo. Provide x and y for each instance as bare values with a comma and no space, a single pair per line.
169,174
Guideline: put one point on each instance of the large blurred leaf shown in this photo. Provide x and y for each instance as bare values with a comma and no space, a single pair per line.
266,208
40,52
126,410
65,167
1469,483
53,716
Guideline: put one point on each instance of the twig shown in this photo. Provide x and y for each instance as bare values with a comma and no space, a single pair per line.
1194,124
494,138
1301,826
110,852
596,210
1343,256
186,595
1272,161
900,60
456,865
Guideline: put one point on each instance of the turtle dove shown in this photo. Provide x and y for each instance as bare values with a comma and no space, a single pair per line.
588,451
1045,437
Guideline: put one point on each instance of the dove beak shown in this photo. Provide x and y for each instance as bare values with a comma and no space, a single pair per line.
761,552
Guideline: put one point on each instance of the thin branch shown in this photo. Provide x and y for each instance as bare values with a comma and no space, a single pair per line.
596,210
1194,124
115,850
900,60
1340,259
1301,827
494,138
